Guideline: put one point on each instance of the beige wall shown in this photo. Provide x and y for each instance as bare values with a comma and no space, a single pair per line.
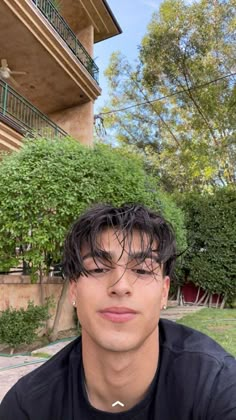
10,140
16,291
77,122
86,37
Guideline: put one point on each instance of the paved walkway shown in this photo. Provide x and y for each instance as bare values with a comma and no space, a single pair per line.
14,367
177,312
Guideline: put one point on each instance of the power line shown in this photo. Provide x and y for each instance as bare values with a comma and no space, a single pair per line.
113,111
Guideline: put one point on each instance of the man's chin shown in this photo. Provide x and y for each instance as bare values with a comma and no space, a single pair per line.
119,344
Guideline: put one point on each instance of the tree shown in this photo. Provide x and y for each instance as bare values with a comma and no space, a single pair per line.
211,230
47,184
187,57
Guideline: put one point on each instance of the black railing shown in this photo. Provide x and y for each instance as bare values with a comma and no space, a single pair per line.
24,115
60,25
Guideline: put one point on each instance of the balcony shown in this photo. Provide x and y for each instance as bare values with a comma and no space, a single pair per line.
62,28
22,116
34,38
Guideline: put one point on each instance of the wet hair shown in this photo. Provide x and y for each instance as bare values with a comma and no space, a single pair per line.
156,235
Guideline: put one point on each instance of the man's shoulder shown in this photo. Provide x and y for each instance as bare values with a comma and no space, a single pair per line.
179,340
198,374
52,371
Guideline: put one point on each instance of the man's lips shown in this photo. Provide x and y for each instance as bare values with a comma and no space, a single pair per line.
118,314
119,310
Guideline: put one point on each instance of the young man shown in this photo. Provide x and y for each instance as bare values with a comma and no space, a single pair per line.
129,364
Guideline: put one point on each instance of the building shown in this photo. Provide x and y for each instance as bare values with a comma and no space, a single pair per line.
48,78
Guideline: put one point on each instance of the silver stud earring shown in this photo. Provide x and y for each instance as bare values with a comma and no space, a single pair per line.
73,303
164,307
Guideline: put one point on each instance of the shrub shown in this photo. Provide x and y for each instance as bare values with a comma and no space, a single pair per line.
19,326
47,184
211,230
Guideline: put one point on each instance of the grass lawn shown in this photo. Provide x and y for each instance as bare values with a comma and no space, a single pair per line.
220,324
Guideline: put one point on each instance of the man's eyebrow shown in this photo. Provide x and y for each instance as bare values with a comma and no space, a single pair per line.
99,254
138,256
152,254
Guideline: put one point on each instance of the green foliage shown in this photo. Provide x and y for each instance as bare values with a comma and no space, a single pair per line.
47,184
233,304
211,230
41,355
19,326
38,199
188,138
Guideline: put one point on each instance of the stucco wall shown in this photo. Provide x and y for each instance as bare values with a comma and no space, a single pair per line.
86,37
10,140
16,291
77,121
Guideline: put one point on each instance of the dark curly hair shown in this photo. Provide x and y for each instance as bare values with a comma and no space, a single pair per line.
154,230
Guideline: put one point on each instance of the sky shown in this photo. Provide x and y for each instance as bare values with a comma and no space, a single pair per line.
133,16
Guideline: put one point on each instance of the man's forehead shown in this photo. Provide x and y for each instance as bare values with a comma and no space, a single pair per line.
111,240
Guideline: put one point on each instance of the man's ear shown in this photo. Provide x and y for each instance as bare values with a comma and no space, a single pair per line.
73,291
165,290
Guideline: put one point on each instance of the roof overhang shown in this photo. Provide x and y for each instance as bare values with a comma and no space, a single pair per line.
81,13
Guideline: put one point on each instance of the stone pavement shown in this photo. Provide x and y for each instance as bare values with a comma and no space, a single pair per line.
13,368
177,312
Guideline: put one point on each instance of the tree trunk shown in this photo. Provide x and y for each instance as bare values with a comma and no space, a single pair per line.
42,292
202,298
207,298
54,333
223,301
210,301
217,302
197,297
178,295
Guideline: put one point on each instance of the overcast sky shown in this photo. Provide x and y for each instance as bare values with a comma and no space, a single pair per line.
133,17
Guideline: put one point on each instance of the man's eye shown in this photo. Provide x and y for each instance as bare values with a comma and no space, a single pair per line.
143,272
98,270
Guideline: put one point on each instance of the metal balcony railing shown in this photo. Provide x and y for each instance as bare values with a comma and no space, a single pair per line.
60,25
24,116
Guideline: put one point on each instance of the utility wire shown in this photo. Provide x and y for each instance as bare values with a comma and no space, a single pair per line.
113,111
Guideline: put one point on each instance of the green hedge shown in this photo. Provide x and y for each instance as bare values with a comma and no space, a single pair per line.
47,184
211,230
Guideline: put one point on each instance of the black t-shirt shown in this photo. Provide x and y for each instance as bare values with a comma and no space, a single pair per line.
195,380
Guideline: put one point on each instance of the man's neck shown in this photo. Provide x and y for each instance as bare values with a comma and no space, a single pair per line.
116,376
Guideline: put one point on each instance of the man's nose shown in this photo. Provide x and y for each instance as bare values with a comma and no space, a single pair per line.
120,284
